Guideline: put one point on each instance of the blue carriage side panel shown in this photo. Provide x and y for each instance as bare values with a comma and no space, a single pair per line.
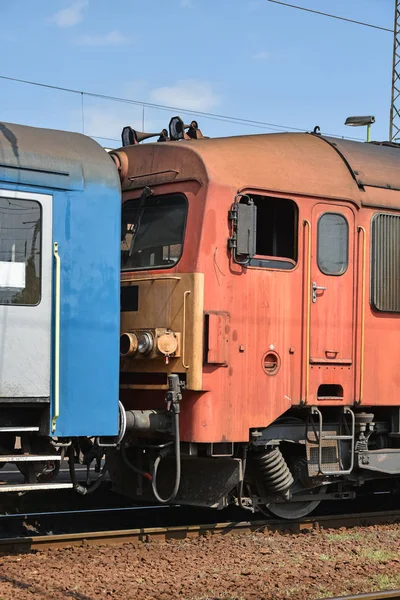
84,184
86,226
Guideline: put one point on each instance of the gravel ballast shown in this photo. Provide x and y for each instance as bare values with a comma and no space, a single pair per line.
238,566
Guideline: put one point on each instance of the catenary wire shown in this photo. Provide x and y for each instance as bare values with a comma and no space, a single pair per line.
323,14
214,116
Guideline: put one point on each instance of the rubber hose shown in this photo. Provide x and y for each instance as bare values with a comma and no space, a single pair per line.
77,486
131,466
178,467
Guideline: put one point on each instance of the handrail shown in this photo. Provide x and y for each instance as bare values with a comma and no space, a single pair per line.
308,311
57,303
362,341
151,278
185,295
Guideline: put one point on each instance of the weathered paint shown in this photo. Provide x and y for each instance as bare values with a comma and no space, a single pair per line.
269,309
83,181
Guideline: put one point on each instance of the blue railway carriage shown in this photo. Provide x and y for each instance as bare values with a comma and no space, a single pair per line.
60,205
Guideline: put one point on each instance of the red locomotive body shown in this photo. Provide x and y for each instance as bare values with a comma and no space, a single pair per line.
265,272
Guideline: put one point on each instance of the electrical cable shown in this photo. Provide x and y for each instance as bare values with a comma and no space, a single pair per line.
132,466
323,14
213,116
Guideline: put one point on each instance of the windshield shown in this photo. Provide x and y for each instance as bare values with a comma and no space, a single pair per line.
153,231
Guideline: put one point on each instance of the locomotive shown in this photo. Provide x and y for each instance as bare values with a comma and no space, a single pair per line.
259,283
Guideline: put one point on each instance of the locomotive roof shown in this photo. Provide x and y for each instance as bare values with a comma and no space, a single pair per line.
50,158
297,163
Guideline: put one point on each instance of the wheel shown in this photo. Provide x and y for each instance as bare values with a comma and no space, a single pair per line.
294,510
297,510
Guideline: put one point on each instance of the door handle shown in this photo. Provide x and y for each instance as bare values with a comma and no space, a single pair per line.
315,289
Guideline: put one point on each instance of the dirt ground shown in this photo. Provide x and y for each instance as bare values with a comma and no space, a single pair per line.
257,566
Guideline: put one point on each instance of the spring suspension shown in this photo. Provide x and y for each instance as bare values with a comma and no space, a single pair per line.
275,472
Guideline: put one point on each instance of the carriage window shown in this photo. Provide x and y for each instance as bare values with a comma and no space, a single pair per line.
20,249
385,263
276,242
152,232
333,244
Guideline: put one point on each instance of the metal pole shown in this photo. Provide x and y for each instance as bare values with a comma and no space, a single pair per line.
395,104
368,133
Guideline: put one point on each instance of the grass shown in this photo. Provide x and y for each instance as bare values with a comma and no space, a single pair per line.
346,535
379,555
386,582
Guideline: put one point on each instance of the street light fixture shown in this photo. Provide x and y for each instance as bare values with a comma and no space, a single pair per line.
361,122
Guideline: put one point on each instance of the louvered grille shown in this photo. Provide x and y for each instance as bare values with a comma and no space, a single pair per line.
385,284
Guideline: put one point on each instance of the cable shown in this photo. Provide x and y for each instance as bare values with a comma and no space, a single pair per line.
177,467
77,486
317,12
214,116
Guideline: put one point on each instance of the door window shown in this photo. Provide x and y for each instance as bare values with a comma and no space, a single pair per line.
20,251
333,244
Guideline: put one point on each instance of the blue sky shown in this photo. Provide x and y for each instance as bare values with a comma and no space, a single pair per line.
245,58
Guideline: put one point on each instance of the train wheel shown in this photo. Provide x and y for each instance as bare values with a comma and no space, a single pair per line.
301,485
294,510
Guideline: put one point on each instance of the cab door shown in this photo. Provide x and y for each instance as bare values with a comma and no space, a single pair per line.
331,350
25,296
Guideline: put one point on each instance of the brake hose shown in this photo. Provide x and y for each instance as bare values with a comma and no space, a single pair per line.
177,463
77,486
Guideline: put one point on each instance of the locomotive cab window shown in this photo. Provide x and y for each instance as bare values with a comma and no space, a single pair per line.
276,239
333,244
20,251
152,234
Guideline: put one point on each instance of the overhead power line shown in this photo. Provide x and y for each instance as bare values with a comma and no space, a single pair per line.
214,116
323,14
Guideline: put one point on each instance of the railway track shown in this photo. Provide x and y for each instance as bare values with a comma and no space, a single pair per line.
26,543
370,596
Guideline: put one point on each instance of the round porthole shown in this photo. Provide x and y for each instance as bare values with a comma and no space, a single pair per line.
271,363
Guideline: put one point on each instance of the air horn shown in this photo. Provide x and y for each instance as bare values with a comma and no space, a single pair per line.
131,137
177,130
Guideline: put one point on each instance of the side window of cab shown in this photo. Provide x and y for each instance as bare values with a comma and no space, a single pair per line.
277,233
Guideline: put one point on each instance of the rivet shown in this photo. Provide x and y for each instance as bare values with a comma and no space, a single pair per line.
241,348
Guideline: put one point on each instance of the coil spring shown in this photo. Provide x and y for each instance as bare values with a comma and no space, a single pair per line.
275,472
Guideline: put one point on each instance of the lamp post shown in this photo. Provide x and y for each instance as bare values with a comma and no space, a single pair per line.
361,122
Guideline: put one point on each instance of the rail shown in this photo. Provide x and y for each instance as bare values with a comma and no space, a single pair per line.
370,596
146,534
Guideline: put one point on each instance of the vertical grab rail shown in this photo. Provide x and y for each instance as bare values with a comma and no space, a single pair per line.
362,341
185,366
57,307
307,262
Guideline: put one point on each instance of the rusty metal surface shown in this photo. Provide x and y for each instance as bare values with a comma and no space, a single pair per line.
290,162
372,165
50,158
370,596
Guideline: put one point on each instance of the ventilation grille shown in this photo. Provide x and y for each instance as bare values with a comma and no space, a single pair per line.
385,284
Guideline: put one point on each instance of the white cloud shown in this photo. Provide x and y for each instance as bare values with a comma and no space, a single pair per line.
190,94
261,56
113,38
108,122
186,3
70,16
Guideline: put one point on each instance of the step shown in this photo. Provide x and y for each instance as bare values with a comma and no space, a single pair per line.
33,487
18,429
13,458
